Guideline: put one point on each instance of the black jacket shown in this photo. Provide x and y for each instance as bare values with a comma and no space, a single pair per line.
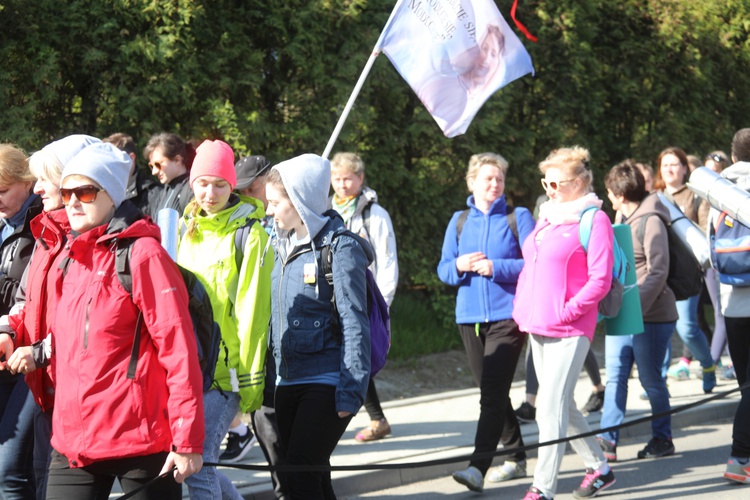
176,194
15,253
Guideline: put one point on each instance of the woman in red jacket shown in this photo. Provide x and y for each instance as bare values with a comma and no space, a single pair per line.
33,309
106,423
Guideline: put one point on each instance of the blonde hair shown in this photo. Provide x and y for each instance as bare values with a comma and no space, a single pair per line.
14,166
350,162
573,161
192,225
45,164
476,161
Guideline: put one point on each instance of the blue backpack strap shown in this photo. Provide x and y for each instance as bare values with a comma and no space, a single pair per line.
584,227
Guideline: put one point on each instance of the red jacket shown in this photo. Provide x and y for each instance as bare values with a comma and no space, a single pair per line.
31,316
99,413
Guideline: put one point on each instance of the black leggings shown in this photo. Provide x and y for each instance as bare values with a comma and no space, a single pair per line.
309,429
372,402
738,335
493,355
94,482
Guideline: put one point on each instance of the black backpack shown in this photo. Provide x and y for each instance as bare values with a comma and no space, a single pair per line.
685,274
207,331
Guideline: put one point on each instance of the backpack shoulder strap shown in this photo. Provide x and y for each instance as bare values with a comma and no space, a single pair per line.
640,233
366,217
510,213
461,222
123,254
326,259
240,240
584,227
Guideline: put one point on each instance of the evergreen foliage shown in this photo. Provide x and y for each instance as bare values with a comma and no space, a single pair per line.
620,77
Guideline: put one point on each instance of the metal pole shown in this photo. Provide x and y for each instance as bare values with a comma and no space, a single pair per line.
360,82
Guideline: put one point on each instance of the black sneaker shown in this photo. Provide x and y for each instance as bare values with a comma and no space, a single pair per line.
594,404
608,448
594,482
657,448
526,413
237,446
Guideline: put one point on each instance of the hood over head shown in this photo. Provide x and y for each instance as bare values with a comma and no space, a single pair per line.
307,179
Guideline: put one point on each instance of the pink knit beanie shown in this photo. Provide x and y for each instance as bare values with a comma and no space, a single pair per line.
214,158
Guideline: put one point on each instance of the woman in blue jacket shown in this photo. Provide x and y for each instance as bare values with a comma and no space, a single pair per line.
322,362
482,257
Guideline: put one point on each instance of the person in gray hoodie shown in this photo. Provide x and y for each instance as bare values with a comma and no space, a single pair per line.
322,358
647,218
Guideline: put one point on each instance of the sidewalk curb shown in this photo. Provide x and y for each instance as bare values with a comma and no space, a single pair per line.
353,483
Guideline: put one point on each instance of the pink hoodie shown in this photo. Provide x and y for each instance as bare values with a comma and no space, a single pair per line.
560,286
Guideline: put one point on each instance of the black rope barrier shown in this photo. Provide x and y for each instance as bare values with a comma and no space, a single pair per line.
451,460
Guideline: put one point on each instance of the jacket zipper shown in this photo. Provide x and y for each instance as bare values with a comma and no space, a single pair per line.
281,312
86,326
281,285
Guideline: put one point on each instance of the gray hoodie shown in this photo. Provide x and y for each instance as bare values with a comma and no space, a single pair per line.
307,179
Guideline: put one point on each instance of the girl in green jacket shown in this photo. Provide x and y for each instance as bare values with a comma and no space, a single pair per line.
238,281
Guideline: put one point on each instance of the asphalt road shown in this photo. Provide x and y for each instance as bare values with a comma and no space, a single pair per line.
694,472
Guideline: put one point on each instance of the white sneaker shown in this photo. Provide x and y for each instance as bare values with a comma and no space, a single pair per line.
471,478
509,470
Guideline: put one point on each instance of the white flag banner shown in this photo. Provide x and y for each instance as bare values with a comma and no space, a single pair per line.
454,54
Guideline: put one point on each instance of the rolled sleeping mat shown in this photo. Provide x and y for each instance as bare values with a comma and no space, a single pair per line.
629,321
689,233
721,193
167,219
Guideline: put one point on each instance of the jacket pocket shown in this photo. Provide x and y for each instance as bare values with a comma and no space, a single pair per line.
307,335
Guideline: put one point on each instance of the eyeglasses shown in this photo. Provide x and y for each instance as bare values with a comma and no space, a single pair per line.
554,185
717,158
84,194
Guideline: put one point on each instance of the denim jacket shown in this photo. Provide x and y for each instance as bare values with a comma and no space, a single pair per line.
301,338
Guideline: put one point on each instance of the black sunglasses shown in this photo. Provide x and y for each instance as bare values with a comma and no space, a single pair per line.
85,194
717,158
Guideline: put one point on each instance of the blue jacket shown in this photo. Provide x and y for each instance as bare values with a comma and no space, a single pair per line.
482,299
301,337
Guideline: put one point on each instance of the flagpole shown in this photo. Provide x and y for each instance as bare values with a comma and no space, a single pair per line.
360,82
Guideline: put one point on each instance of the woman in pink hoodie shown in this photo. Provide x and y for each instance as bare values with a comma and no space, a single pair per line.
557,300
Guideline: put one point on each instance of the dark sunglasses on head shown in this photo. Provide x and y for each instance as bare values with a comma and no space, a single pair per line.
717,158
84,194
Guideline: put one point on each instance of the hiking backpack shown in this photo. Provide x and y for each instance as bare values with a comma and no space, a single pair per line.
730,250
610,305
207,331
377,310
685,277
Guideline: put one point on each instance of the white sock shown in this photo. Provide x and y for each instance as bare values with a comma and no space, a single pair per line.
604,469
241,429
